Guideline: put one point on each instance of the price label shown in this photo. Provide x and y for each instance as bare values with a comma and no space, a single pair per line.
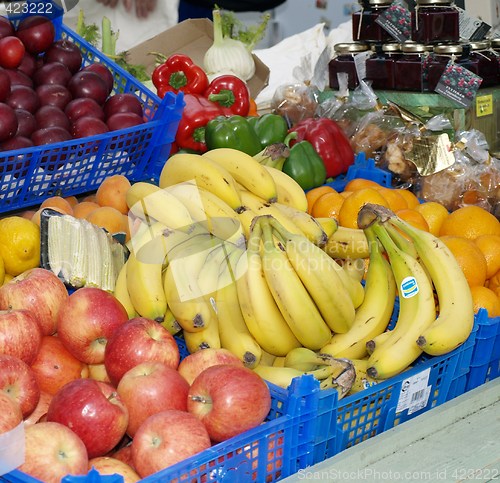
415,392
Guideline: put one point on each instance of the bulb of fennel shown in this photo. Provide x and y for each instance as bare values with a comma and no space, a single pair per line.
227,54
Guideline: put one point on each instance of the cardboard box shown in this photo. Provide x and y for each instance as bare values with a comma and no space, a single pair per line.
192,37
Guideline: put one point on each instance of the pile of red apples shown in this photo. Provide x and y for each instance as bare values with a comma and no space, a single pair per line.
95,389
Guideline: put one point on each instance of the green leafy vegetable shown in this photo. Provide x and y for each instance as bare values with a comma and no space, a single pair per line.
250,35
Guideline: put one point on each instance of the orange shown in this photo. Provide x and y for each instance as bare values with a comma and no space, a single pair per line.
112,192
494,281
90,198
469,257
58,202
360,183
82,209
434,213
348,214
490,246
470,222
485,298
72,200
313,194
108,218
409,196
327,205
394,199
36,216
414,218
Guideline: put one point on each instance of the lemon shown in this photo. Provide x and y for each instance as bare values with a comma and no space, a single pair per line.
2,271
19,244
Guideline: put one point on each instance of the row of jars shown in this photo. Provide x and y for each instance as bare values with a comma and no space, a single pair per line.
412,66
432,21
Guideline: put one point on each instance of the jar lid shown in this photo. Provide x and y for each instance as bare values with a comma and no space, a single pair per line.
434,2
480,45
391,47
380,2
350,47
413,47
495,43
448,49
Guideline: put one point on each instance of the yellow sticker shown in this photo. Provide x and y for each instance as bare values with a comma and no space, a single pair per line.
484,105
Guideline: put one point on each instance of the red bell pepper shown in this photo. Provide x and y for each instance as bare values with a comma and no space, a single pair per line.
198,110
179,73
329,141
230,92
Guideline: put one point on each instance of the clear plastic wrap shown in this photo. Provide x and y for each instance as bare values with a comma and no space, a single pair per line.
295,102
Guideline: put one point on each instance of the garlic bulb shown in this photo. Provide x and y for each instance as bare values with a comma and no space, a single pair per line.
227,54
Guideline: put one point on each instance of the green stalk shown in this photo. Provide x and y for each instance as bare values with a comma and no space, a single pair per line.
109,38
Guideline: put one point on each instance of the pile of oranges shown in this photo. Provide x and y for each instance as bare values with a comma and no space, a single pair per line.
471,232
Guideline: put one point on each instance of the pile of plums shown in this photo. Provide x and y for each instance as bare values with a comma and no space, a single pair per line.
47,95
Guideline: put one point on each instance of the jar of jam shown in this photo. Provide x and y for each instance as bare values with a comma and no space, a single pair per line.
487,60
495,45
343,63
435,21
410,68
380,66
442,54
364,25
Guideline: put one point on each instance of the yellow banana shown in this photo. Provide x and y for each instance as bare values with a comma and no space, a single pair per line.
150,203
203,339
170,323
262,316
266,359
417,308
456,314
279,361
279,376
377,341
233,331
374,314
208,174
289,192
363,380
246,171
321,280
121,292
329,225
347,243
292,298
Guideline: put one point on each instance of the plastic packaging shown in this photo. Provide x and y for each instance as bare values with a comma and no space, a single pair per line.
294,102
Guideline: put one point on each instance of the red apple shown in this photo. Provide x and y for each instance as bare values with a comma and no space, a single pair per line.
198,361
54,365
124,454
107,465
38,290
40,412
151,387
20,334
94,411
18,380
139,340
166,438
229,400
10,413
53,451
87,320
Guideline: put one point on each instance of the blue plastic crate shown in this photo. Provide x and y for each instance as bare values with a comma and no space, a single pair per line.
365,168
28,176
485,363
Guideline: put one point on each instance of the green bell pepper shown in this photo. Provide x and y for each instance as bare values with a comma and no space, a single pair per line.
305,166
232,132
270,128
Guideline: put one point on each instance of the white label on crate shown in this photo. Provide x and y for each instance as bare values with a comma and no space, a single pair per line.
12,449
415,392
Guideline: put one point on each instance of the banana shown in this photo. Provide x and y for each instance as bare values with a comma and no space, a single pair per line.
144,284
374,314
329,225
302,359
341,376
347,243
292,298
289,192
377,341
262,316
279,376
311,228
186,300
417,309
233,331
279,361
208,174
204,339
150,203
257,206
321,280
210,210
170,323
266,359
363,380
355,268
246,171
121,292
456,314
